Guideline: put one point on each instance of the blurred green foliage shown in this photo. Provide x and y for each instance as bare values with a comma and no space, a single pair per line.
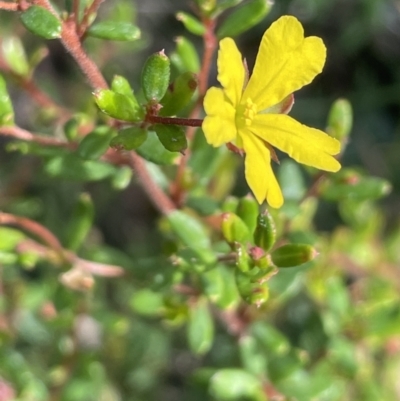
102,297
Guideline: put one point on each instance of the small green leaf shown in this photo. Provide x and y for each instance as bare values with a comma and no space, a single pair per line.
129,138
147,302
265,232
192,234
200,328
41,22
172,137
6,107
236,385
72,126
10,238
292,255
155,76
185,58
72,167
153,151
15,56
291,180
192,24
80,222
179,94
118,106
96,143
244,18
114,30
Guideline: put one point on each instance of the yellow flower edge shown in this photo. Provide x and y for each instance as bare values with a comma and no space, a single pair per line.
236,113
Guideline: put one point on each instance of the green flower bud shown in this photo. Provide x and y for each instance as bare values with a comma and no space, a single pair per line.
265,232
292,255
340,119
234,229
155,76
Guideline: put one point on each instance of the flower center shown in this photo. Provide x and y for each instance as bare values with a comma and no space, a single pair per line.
245,113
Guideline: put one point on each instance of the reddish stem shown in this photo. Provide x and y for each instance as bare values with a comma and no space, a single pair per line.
187,122
8,6
88,12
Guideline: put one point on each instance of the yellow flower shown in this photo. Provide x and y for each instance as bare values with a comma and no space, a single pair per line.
245,114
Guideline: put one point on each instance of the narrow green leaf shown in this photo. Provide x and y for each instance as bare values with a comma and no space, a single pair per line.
192,24
41,22
265,232
153,151
122,178
129,138
6,107
15,56
114,30
185,58
236,385
245,17
200,328
80,222
192,234
172,137
96,143
292,255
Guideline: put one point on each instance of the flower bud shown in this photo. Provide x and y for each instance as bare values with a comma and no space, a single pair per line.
155,76
234,229
265,232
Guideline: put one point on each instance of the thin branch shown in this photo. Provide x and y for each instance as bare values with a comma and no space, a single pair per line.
34,228
187,122
9,6
160,200
20,133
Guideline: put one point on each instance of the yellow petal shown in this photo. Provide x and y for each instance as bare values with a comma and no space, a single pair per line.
230,70
219,125
258,171
306,145
286,61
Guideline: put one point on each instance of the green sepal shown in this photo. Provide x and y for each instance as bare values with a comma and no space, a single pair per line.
232,384
200,328
179,94
247,210
252,286
265,232
41,22
192,24
244,18
292,255
129,138
96,143
153,151
80,222
155,76
234,229
114,30
6,107
14,55
185,58
340,120
172,137
118,106
192,234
